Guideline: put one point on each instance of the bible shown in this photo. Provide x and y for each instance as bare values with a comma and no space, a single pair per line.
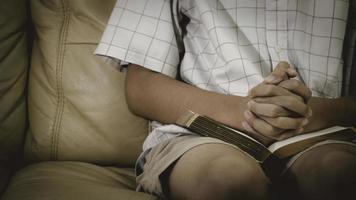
205,126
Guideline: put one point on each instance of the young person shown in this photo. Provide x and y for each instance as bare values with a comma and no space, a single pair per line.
236,69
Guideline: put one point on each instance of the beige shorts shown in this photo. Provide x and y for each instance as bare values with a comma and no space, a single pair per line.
154,165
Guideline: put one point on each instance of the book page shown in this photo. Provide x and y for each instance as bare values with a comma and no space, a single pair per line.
300,142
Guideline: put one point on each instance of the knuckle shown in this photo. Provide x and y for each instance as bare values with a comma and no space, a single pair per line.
253,91
283,65
305,110
275,111
250,121
271,130
252,108
280,121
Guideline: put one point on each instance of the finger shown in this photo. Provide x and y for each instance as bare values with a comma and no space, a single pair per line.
248,128
261,126
296,87
269,110
292,72
289,134
286,122
268,90
274,79
287,102
283,71
253,133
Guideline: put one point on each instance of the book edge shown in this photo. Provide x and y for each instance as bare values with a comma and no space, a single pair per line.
280,144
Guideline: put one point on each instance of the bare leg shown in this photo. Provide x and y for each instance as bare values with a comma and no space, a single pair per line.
326,172
217,171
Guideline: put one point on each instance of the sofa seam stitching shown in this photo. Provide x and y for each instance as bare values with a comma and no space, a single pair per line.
59,77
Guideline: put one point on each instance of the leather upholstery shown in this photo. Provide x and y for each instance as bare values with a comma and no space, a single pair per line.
73,181
75,104
77,107
4,177
14,63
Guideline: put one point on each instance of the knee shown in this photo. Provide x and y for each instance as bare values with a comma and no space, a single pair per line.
235,178
326,173
338,165
217,172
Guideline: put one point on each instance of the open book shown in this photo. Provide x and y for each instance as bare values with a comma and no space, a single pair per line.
207,127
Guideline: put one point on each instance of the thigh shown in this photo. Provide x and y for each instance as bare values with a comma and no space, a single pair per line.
217,171
203,158
323,172
328,156
156,164
184,162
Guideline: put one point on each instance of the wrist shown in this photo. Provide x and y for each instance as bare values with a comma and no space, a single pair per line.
321,115
232,111
349,110
331,112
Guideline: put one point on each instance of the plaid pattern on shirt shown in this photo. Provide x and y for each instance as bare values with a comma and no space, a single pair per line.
231,45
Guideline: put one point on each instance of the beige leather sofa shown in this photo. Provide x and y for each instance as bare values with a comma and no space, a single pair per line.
65,130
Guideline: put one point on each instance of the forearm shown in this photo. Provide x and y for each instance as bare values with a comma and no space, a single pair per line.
332,112
158,97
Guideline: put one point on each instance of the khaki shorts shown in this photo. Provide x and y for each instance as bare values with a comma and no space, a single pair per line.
154,165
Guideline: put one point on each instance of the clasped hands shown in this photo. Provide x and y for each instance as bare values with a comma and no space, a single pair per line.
278,107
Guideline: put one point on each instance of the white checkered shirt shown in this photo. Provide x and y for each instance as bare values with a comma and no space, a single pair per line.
230,45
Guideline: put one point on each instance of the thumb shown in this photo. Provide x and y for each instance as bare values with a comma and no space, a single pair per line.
283,71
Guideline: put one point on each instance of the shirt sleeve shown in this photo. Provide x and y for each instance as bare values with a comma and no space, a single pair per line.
141,32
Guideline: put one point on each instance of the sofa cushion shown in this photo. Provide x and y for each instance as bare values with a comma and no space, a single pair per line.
14,63
76,101
5,174
72,181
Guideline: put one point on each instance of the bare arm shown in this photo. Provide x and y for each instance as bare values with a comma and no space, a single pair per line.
157,97
331,112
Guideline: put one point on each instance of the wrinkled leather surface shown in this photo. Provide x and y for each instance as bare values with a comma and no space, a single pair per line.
4,177
73,181
77,107
14,63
